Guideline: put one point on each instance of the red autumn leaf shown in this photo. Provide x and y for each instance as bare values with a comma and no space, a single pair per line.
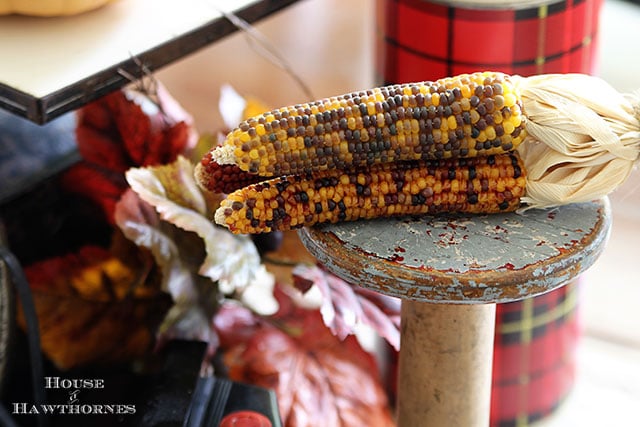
318,379
95,306
101,151
132,123
121,130
345,306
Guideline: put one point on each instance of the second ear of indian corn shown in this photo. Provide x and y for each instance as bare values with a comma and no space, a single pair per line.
484,184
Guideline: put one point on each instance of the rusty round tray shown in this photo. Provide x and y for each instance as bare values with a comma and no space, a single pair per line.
465,258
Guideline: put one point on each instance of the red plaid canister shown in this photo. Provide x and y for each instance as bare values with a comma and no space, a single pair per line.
424,40
534,356
536,339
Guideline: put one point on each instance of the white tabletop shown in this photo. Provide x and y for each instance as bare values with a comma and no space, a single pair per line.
52,65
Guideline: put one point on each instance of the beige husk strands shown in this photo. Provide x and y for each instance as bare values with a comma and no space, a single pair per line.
584,138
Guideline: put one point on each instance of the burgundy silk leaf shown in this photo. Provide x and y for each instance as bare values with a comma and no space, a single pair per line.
121,130
345,306
319,379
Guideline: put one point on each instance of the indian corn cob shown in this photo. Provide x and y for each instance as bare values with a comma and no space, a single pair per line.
485,184
464,116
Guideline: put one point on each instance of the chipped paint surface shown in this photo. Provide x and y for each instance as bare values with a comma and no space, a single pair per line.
465,258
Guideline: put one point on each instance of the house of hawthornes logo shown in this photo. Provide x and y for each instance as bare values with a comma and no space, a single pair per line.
74,404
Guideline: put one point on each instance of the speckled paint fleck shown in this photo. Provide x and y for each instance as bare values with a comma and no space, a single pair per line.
465,258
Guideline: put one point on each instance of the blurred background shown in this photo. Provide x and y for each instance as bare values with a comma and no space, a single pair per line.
330,45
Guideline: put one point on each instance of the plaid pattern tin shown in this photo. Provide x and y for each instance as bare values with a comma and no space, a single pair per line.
536,339
424,40
534,356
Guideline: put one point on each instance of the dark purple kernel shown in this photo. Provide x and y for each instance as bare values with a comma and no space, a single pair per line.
489,105
517,171
472,172
451,98
489,119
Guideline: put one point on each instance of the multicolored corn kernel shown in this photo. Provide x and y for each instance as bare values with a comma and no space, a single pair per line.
475,185
464,116
218,178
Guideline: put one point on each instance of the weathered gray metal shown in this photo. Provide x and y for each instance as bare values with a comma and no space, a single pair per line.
465,258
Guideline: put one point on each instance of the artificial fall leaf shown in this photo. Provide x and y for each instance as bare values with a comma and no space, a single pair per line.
125,129
344,306
178,255
318,379
95,306
231,260
164,212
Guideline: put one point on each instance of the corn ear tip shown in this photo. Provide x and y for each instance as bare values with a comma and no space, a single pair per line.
219,217
224,155
201,177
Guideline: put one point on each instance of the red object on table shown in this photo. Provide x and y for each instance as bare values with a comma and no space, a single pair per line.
535,339
424,40
245,419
